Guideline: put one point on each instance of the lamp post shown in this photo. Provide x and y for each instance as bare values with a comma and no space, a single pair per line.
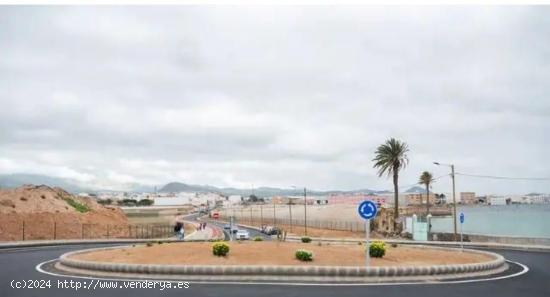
274,220
290,212
261,215
305,209
454,195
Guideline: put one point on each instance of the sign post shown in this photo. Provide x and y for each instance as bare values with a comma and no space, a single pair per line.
367,210
461,237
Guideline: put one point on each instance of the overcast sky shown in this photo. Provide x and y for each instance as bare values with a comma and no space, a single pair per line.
275,96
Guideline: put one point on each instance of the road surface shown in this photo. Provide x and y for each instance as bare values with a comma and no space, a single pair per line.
19,264
252,232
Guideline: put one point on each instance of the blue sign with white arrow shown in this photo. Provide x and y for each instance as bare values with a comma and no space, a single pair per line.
462,218
367,209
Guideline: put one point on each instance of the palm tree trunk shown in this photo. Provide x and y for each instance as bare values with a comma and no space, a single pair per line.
427,200
396,200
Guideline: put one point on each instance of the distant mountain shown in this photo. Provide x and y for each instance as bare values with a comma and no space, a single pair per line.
181,187
74,186
416,189
260,191
69,185
16,180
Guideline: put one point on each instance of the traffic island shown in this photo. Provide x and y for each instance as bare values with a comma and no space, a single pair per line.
275,261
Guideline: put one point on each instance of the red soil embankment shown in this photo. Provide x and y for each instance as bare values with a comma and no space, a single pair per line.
41,212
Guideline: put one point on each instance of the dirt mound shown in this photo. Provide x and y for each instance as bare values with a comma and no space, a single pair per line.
42,212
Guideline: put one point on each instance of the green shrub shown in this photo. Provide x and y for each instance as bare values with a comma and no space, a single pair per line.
220,249
377,249
145,202
306,239
77,205
149,244
394,245
258,238
304,255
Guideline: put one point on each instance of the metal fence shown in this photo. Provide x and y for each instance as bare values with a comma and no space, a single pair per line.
31,230
351,226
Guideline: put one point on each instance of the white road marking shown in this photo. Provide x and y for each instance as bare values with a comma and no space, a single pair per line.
524,270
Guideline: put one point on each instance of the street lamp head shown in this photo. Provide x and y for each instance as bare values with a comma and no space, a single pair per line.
437,163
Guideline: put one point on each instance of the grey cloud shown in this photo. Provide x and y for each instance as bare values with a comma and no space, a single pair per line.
274,95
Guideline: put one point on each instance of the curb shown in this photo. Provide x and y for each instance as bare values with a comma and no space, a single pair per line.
287,270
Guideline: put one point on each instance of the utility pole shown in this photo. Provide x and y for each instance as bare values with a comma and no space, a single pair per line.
305,212
454,199
274,220
290,211
454,195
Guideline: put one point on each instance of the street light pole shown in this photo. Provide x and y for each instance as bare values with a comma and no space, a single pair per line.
274,220
305,212
454,195
454,199
290,211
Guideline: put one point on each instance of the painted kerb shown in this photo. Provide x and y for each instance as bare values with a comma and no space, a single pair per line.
340,271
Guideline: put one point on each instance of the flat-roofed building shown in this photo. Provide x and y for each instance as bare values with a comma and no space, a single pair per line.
355,199
419,198
468,197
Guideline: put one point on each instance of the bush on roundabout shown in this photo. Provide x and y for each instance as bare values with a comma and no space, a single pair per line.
258,238
220,249
306,239
377,249
304,255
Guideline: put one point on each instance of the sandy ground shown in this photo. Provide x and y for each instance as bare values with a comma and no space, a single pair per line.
277,253
316,232
41,212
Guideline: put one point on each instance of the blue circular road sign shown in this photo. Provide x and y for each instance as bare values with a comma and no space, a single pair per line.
367,209
462,218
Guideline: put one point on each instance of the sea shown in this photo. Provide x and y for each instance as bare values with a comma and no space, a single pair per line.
519,220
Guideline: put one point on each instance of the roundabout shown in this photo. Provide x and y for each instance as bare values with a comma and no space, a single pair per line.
273,262
35,263
527,275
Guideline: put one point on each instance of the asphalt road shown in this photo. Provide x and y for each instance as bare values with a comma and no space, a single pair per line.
252,232
20,265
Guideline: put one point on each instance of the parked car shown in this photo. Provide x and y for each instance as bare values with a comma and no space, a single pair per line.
234,229
227,226
242,234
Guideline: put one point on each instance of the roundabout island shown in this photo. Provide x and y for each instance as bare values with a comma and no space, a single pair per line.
278,262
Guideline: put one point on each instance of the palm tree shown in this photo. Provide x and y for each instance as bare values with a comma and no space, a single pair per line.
426,178
391,157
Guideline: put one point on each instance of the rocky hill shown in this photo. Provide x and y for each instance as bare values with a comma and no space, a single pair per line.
42,212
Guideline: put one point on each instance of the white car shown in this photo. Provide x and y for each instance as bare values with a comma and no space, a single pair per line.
242,234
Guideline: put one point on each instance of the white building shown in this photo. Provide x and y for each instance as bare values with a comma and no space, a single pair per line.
171,201
535,198
234,199
498,200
